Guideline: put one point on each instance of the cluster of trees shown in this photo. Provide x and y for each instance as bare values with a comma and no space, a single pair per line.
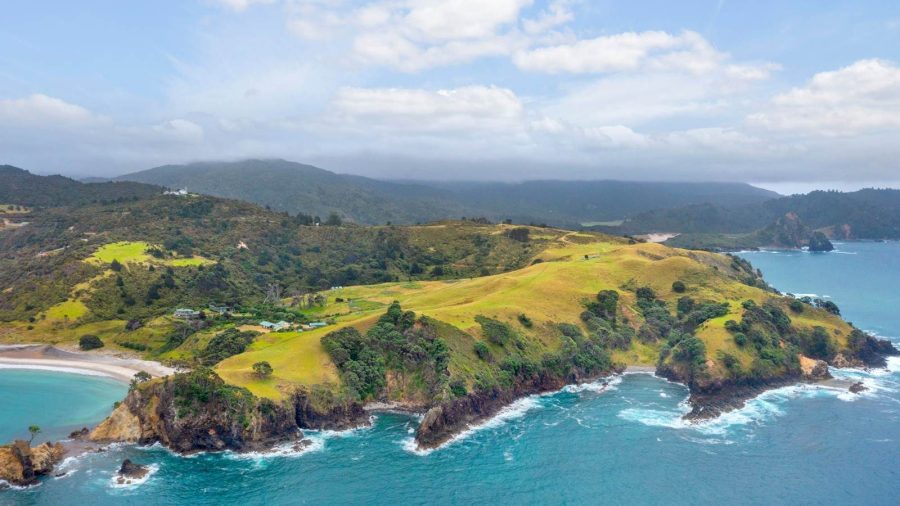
225,344
398,341
768,330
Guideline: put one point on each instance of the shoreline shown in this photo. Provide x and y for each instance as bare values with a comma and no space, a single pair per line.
43,357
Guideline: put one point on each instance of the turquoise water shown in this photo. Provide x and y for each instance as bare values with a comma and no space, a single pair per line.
590,445
57,402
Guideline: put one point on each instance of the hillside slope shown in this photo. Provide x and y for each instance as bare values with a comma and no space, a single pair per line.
20,187
864,214
298,188
293,187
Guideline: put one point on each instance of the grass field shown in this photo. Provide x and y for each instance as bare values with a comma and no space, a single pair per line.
70,310
548,292
189,262
123,252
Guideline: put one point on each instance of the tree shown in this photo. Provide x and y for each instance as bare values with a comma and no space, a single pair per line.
333,220
262,369
34,430
138,378
89,342
678,287
518,234
483,352
115,265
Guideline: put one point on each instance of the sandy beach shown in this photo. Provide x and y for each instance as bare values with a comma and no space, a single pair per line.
50,358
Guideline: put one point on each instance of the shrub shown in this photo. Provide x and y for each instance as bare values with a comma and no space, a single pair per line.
607,300
89,342
262,369
226,344
482,350
133,345
458,388
678,287
733,326
829,306
740,339
496,331
525,321
796,306
645,293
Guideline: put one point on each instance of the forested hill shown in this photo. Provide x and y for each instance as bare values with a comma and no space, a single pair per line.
293,187
18,186
298,188
863,214
576,202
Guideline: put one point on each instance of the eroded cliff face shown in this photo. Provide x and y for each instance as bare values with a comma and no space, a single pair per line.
711,397
197,411
22,465
447,419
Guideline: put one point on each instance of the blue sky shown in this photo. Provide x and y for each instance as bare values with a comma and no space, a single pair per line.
794,94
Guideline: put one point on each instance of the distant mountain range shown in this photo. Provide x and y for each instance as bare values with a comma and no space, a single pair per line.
18,186
706,215
863,214
298,188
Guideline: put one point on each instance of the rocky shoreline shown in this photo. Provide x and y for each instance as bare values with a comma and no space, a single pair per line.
196,411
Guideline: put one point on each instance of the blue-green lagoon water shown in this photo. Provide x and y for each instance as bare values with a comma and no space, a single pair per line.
620,444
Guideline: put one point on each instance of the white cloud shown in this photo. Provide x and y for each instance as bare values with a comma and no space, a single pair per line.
859,98
625,51
39,109
240,5
467,109
556,14
461,19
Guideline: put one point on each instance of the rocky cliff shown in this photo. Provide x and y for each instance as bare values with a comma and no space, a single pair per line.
22,465
710,397
197,411
447,419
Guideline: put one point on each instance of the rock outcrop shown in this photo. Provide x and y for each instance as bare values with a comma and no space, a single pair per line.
197,411
442,422
327,414
22,465
819,242
814,370
130,472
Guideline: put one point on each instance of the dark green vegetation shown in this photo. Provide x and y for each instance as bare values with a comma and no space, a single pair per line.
251,253
225,344
89,342
297,188
20,187
398,343
864,214
263,369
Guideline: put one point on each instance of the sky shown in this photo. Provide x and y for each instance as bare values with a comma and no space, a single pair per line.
792,95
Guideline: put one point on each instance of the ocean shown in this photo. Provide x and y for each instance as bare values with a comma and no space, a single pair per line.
623,443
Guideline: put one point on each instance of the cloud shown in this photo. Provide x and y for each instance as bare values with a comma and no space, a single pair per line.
239,5
633,51
468,109
39,109
856,99
557,13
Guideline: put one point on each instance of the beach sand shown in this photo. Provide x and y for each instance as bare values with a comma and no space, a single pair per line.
47,357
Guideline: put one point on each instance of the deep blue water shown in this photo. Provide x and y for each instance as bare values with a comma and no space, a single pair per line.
589,445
